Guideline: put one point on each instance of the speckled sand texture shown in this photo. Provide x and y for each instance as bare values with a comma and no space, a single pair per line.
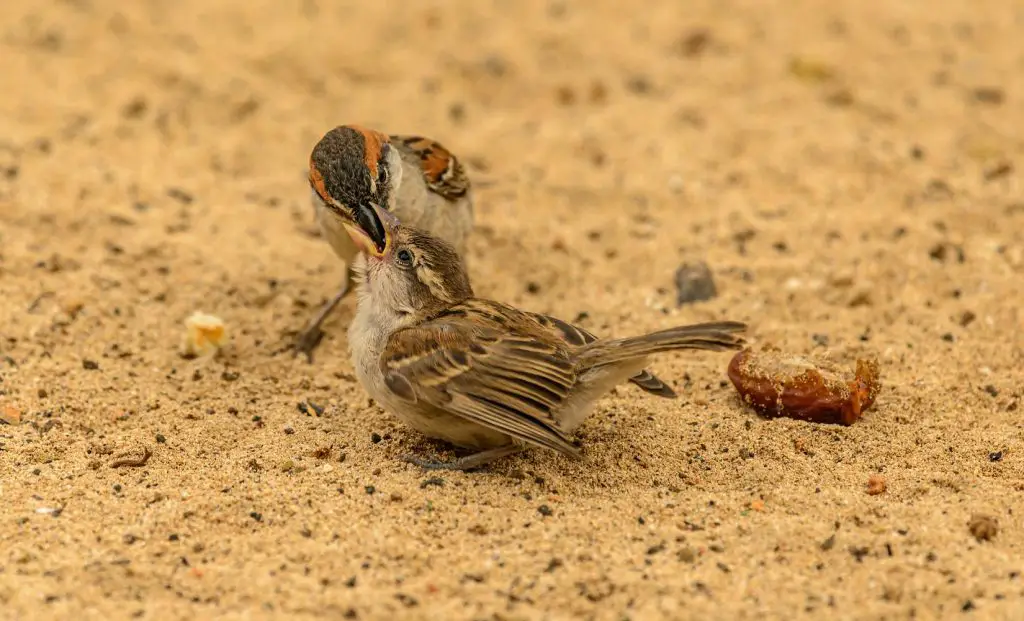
851,172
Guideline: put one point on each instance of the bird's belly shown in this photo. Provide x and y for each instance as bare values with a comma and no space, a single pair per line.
367,337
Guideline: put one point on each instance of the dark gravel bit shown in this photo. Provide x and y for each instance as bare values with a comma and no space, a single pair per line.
90,365
694,283
983,527
995,456
435,481
829,543
545,510
256,515
317,409
180,195
407,600
370,489
161,439
375,438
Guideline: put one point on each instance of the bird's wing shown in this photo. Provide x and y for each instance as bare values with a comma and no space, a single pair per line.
487,363
442,171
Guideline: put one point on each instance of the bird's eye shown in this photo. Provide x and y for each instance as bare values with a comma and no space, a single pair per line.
382,176
404,257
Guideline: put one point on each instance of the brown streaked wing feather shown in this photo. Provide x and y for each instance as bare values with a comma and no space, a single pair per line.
442,171
509,380
574,335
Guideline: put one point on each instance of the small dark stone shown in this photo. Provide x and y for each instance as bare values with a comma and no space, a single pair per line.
90,365
694,283
829,543
746,453
375,438
992,390
991,95
435,481
161,439
457,112
129,539
117,488
967,318
820,340
694,43
545,510
1002,169
289,430
256,515
948,337
407,600
532,288
351,582
229,376
968,606
180,195
317,409
173,537
859,553
370,489
995,456
638,84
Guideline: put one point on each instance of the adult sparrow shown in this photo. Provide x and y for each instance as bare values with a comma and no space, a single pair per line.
353,168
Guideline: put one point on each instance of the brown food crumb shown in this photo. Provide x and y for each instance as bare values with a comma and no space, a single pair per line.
983,527
10,415
812,389
876,485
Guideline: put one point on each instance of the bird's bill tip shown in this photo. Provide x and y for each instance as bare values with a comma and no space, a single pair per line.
373,223
363,241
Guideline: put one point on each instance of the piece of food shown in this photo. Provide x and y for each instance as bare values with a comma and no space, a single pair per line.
204,334
816,390
876,485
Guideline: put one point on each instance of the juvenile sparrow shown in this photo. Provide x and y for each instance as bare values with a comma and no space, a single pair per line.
352,168
480,374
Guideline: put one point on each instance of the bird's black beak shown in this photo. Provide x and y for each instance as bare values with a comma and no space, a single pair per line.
368,220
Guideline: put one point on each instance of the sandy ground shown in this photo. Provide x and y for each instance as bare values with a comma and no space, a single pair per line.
850,171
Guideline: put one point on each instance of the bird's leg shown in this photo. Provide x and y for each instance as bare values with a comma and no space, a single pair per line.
310,338
468,462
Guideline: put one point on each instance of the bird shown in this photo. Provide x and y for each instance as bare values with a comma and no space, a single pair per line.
477,373
424,185
352,167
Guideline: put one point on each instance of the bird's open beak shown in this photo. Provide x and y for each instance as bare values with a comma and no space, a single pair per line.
372,230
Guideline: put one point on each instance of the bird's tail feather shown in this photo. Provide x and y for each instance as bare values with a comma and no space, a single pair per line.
712,336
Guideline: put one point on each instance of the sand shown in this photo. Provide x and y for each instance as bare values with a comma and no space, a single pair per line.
850,171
